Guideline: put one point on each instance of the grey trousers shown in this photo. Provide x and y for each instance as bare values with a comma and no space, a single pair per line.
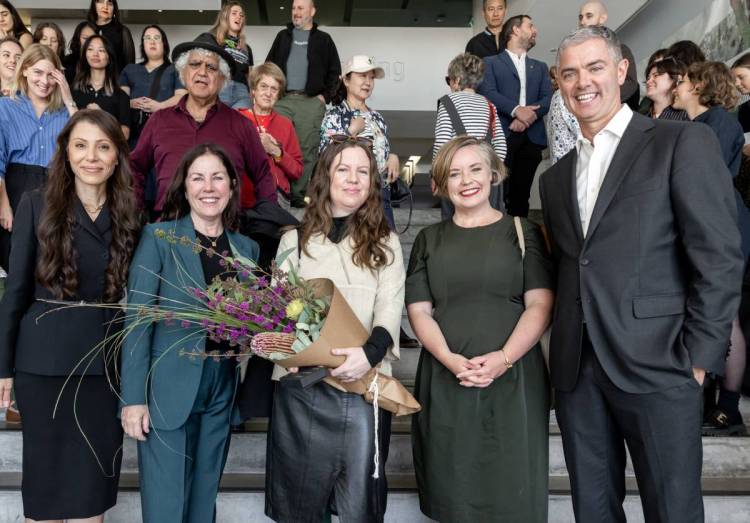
306,113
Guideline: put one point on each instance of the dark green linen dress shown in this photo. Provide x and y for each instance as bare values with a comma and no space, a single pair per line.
480,455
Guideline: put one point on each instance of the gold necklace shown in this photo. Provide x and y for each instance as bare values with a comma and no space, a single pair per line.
212,241
95,209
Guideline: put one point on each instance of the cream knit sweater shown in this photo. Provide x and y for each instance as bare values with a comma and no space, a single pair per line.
376,297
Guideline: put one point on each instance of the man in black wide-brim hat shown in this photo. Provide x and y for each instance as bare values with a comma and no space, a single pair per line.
200,117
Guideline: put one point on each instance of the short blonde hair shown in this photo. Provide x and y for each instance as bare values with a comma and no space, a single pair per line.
33,54
268,69
441,166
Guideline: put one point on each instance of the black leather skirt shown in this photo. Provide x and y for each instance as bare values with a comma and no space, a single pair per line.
321,445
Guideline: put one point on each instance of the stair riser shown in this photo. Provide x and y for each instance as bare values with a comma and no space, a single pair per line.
722,457
241,507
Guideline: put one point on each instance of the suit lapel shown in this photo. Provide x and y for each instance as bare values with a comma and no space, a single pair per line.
509,63
84,222
633,140
569,193
186,253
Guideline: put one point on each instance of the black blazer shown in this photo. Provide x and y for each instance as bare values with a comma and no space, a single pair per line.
54,344
657,278
324,66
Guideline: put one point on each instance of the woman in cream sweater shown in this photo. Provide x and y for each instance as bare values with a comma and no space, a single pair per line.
321,440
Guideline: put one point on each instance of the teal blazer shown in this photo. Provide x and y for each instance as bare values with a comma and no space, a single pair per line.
153,371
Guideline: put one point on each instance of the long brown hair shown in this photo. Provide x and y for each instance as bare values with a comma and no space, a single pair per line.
56,269
367,225
176,204
220,29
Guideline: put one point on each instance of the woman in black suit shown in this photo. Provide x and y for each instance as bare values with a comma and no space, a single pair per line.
73,242
105,16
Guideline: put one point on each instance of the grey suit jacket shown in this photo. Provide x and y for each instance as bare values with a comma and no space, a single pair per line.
657,278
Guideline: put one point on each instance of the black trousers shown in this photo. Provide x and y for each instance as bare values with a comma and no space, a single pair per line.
19,178
522,160
662,431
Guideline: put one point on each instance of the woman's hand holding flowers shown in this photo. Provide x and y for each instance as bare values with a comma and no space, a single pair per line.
355,366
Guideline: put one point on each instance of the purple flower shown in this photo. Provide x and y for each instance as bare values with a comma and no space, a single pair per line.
281,314
266,308
205,323
262,282
245,306
288,329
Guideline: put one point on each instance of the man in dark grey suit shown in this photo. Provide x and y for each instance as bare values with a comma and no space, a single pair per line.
643,230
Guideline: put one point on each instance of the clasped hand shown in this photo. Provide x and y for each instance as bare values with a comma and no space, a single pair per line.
479,371
355,366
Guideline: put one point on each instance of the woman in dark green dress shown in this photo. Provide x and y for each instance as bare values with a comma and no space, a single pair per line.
479,308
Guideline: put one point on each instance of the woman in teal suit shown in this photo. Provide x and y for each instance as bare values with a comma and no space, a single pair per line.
177,407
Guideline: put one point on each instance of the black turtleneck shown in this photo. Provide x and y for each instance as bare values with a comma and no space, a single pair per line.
377,344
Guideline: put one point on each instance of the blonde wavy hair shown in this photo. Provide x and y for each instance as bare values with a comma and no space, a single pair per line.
33,54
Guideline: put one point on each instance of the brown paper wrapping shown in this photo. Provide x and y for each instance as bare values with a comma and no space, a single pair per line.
343,329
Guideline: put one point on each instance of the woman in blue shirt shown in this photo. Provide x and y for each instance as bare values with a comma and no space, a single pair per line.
30,120
137,80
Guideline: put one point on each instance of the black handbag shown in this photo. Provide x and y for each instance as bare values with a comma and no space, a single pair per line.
400,192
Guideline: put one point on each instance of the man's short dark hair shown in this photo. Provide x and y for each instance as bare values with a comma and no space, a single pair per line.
510,24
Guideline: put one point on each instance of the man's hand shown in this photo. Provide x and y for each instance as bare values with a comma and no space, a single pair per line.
517,126
699,375
527,114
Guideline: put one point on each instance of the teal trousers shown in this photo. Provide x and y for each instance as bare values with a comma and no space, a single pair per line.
180,469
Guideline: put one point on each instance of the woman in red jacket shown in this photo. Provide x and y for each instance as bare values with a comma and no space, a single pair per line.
276,132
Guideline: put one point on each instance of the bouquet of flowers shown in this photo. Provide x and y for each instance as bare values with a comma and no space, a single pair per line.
277,316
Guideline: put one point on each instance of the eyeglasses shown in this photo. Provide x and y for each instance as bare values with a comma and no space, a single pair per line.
345,138
448,80
152,38
262,86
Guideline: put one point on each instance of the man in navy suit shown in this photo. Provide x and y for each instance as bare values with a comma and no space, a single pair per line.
521,90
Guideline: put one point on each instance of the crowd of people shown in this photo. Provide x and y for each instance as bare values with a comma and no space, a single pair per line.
638,273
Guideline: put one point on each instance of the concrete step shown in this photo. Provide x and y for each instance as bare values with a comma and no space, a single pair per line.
725,460
403,507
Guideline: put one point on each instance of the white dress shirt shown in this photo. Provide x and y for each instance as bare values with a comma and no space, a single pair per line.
594,160
520,63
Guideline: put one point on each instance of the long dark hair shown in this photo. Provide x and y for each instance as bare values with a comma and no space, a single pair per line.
19,27
75,43
92,17
176,204
83,71
164,41
56,268
367,225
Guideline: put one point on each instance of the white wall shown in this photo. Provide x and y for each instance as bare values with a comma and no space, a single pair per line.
415,59
646,32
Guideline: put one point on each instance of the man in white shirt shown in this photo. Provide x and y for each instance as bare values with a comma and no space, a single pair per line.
649,273
521,90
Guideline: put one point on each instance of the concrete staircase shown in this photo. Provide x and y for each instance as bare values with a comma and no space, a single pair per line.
726,465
